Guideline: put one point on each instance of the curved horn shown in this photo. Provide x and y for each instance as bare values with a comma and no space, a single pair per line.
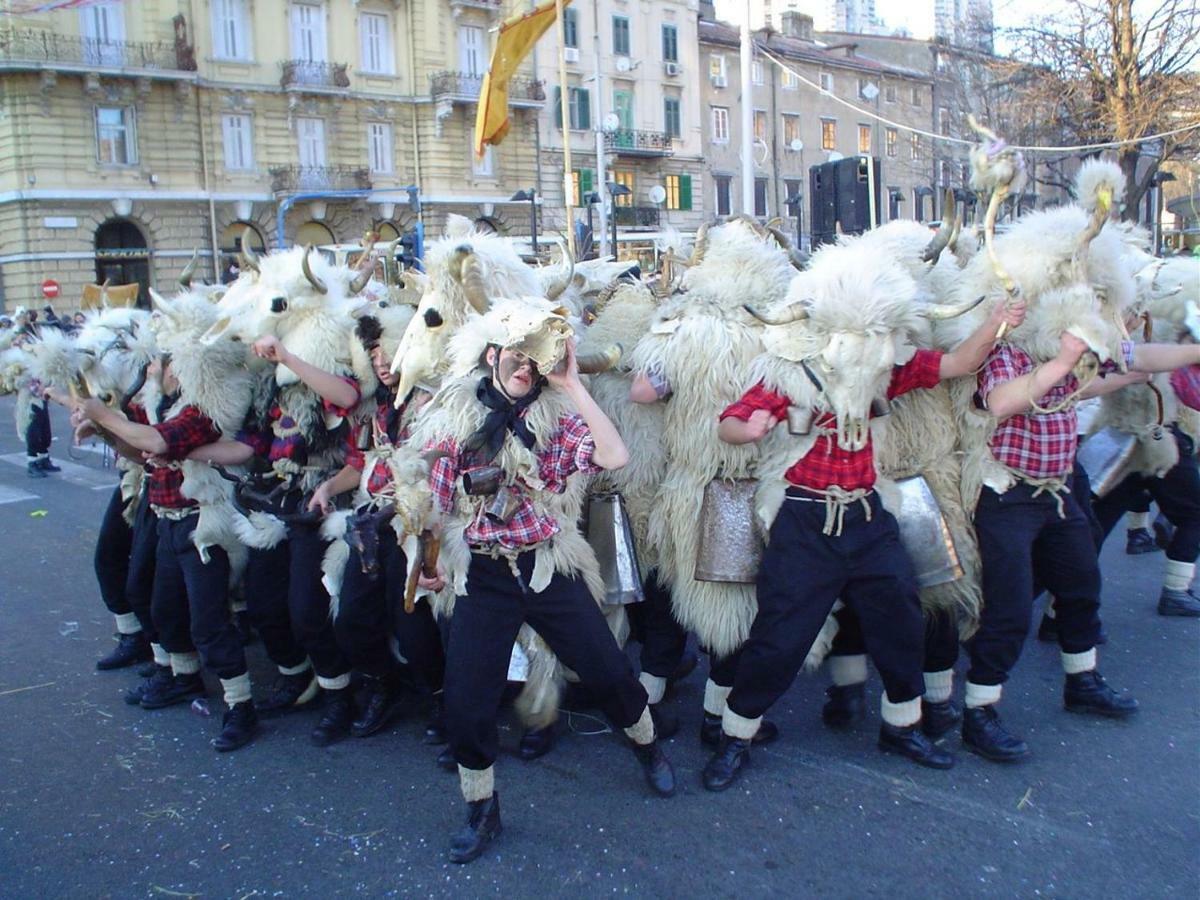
939,311
161,304
249,257
795,257
793,312
606,294
189,271
558,285
945,231
317,283
699,246
470,276
360,281
599,361
413,278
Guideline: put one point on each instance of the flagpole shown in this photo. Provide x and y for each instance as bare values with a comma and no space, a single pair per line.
565,112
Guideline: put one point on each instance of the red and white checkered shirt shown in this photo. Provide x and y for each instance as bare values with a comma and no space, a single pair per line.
1037,445
568,450
1186,384
183,433
827,464
377,429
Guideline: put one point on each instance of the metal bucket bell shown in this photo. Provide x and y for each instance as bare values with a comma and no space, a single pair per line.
1106,456
925,535
611,537
730,548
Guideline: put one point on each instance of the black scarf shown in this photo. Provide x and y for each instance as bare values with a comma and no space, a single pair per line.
385,397
505,416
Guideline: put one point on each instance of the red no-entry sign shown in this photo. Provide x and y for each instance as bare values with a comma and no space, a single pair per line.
49,288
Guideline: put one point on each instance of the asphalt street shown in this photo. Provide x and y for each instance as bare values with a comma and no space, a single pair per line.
99,799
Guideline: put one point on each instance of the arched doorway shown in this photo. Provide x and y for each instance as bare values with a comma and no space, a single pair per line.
122,257
314,233
231,246
487,225
387,232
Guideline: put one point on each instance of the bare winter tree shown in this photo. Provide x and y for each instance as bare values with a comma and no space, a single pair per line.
1107,70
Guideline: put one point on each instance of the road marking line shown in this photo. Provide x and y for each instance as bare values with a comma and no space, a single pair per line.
14,495
72,473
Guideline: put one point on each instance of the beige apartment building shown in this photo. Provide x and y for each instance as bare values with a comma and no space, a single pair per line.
796,126
135,132
633,73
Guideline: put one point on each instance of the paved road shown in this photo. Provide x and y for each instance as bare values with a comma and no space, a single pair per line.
99,799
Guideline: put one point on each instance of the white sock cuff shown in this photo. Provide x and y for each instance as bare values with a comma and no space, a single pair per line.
1177,576
641,732
1137,520
739,726
847,670
900,715
982,694
185,663
334,684
237,690
939,685
1074,663
1050,612
161,656
477,784
655,685
715,697
238,605
127,623
295,670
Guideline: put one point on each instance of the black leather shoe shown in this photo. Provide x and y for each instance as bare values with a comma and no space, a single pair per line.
46,465
666,723
726,764
33,470
381,706
483,824
938,718
983,733
845,706
536,742
1048,629
290,692
710,731
446,761
687,665
435,728
335,723
237,728
1087,692
130,649
158,678
1178,603
657,768
1139,540
147,669
911,741
172,690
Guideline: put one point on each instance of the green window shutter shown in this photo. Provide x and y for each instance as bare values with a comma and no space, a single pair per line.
685,192
585,183
558,108
585,109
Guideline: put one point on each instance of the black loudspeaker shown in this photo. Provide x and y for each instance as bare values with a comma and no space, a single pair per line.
845,197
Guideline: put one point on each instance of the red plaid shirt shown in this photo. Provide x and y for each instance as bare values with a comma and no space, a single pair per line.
1038,445
377,428
567,451
283,440
1186,384
826,463
183,433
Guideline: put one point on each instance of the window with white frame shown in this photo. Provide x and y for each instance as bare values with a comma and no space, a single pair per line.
484,166
757,73
892,142
379,147
237,132
470,50
828,134
864,138
760,124
791,128
716,70
915,96
914,146
102,27
720,124
944,120
231,30
827,81
308,32
310,136
790,81
889,93
116,136
375,43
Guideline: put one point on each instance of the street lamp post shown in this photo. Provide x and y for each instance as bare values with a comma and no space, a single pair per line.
531,196
615,190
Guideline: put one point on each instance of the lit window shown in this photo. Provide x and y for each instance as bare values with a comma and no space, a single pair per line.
893,137
791,128
864,138
760,124
829,134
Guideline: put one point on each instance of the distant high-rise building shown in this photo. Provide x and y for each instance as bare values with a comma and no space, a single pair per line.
966,23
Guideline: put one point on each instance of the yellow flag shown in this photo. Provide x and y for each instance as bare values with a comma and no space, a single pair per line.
516,38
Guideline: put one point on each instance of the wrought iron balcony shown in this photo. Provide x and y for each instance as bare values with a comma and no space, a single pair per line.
463,87
302,74
456,6
290,179
637,216
630,142
46,49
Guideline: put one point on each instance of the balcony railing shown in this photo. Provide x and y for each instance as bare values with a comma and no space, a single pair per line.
302,73
465,87
629,142
47,48
489,5
289,179
637,216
